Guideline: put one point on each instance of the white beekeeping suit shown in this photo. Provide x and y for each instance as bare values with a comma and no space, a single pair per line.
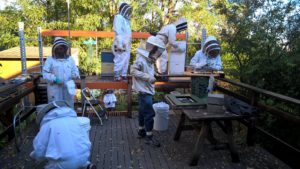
142,70
210,56
168,35
122,41
61,140
59,69
143,80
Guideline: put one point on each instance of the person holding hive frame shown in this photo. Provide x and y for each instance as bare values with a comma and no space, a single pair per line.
207,59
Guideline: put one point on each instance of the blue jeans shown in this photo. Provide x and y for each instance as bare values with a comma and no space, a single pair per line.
146,112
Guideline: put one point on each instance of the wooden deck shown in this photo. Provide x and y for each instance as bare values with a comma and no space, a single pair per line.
115,145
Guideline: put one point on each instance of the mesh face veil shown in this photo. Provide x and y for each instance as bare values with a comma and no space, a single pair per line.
60,47
181,24
125,10
158,47
211,47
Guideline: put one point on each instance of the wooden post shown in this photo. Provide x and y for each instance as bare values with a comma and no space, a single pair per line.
179,127
198,149
82,86
234,153
129,97
254,98
252,121
35,91
6,119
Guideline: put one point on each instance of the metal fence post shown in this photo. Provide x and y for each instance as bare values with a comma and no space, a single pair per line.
40,40
22,48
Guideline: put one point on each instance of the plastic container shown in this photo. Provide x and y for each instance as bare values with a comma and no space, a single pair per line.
85,124
71,87
161,118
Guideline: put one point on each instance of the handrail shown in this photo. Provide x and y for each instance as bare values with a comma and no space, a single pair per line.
8,104
254,101
99,34
262,91
274,111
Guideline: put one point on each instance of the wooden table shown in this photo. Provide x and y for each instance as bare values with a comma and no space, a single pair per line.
203,120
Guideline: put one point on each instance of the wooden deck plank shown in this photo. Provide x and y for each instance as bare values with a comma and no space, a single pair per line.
140,150
121,161
115,146
136,150
145,158
105,146
136,154
93,137
107,149
101,142
124,143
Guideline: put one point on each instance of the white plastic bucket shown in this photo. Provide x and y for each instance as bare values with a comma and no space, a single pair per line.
85,124
161,118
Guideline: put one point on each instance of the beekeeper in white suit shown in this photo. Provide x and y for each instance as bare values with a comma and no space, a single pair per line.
61,141
168,35
60,71
209,57
143,79
122,41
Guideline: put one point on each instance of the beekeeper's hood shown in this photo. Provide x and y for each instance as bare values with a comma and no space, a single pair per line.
211,44
54,110
156,42
153,40
125,10
59,41
181,24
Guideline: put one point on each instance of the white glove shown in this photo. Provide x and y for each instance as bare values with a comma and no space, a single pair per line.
181,48
199,65
119,43
152,79
74,76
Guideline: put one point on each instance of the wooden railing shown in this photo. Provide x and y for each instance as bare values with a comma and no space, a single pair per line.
7,106
283,150
254,99
99,34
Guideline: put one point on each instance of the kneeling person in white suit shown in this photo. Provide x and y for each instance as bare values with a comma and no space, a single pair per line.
61,141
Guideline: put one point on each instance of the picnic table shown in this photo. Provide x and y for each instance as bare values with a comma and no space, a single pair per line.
196,116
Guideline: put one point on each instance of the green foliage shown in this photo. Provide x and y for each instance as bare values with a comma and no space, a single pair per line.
263,45
89,64
262,42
